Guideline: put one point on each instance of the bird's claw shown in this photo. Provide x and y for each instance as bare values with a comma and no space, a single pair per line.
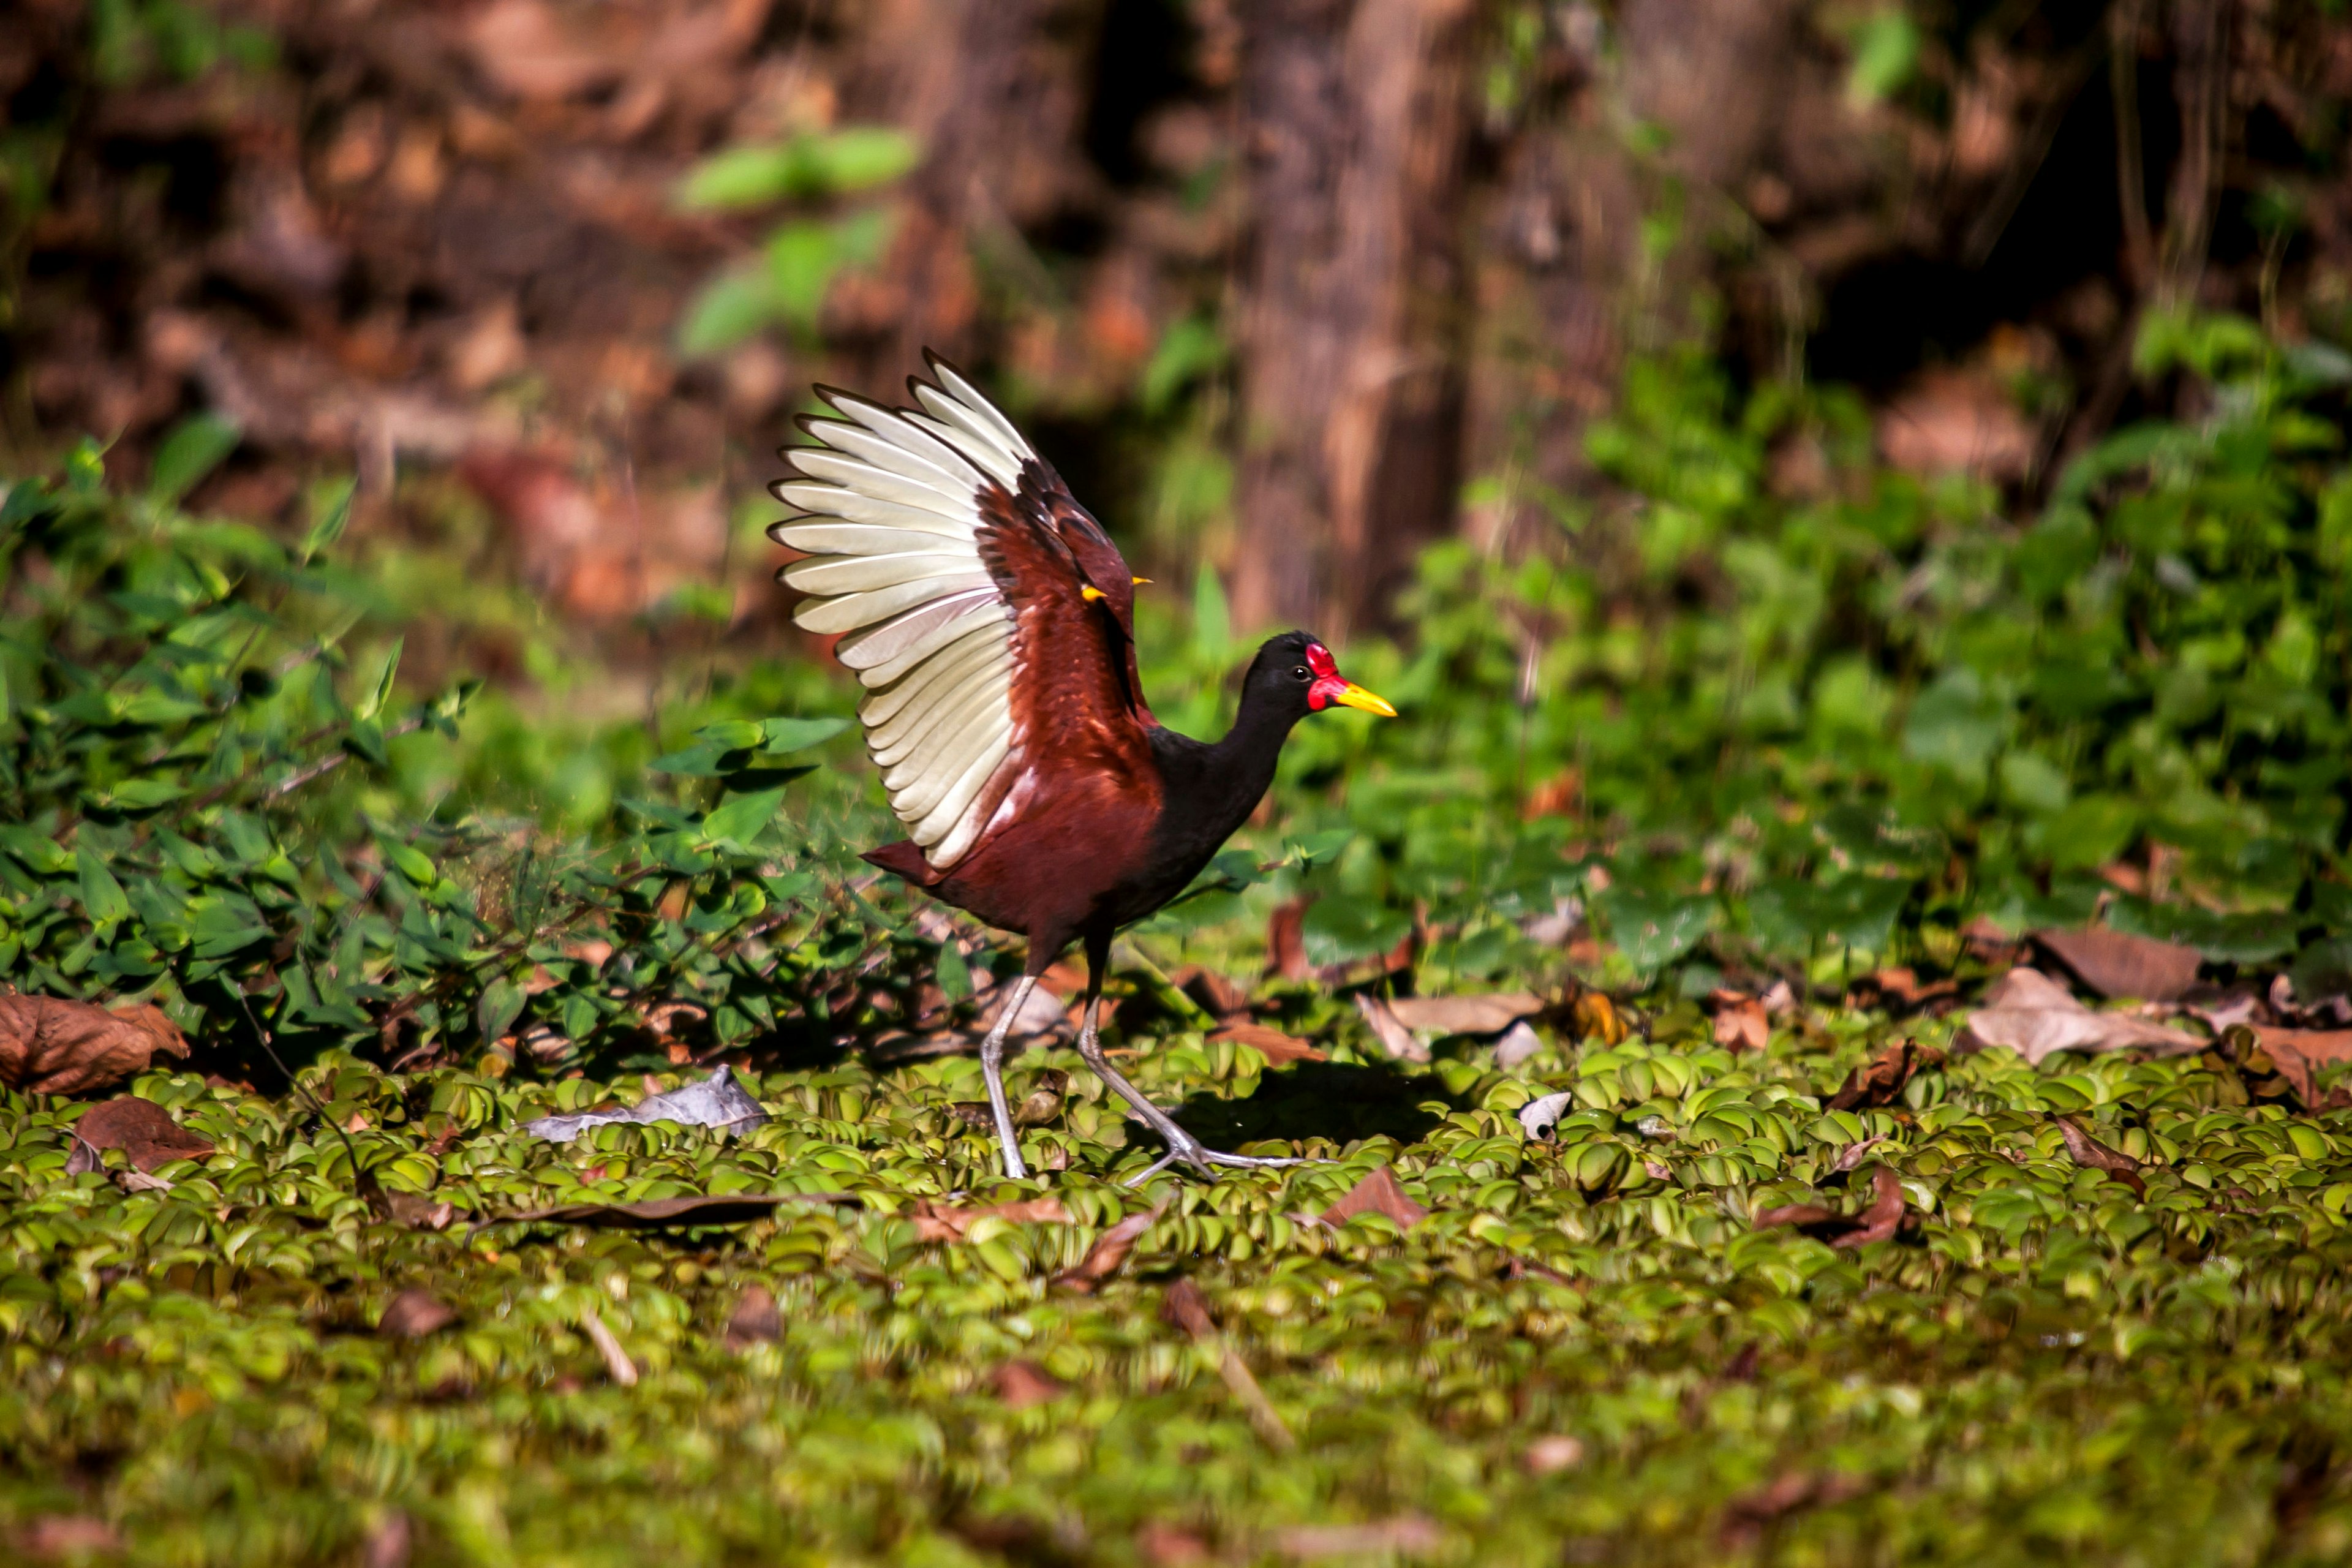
1205,1161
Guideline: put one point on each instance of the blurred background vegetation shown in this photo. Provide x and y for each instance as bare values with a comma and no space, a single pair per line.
1816,475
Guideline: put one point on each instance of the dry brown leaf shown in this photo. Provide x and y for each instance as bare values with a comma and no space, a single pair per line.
1745,1517
1876,1223
1378,1193
1551,1454
2310,1044
1852,1154
1278,1049
1216,993
413,1314
1740,1024
1185,1307
67,1535
142,1130
754,1320
2035,1016
1409,1533
2089,1151
1489,1013
617,1364
52,1045
1400,1043
1109,1251
1286,951
1901,989
1021,1384
949,1222
418,1213
1881,1081
2117,964
1593,1016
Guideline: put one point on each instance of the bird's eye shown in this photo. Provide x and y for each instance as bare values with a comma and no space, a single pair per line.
1302,672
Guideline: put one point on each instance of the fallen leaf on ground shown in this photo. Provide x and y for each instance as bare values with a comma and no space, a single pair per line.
1745,1517
52,1045
754,1320
140,1181
1109,1251
142,1130
717,1101
1400,1043
1378,1193
2310,1044
1517,1045
1165,1545
1875,1222
416,1212
2089,1151
700,1208
1407,1532
1988,942
1852,1154
1740,1024
413,1314
948,1222
1021,1384
1593,1016
1778,999
1487,1014
1881,1081
1539,1116
2118,963
1278,1049
1216,993
2034,1016
1551,1454
1901,989
69,1535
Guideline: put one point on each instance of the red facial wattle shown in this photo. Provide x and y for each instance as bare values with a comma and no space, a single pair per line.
1331,687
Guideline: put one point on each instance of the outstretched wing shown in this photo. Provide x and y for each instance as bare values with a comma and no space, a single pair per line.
953,561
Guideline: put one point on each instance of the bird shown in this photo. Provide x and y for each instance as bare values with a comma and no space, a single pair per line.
991,622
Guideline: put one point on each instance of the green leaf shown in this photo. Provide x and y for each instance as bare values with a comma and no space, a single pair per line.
409,862
1188,350
1340,928
1322,848
744,816
736,736
102,898
954,975
785,736
500,1005
378,691
194,447
730,308
1653,930
330,508
1885,53
1213,631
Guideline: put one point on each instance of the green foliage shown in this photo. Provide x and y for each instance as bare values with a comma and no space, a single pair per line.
788,284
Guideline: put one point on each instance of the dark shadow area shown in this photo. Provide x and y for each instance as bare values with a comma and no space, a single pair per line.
1338,1101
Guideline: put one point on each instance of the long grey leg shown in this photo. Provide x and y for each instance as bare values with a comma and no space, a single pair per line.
1182,1145
991,1068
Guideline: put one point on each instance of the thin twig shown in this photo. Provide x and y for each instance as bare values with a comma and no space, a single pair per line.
330,762
616,1359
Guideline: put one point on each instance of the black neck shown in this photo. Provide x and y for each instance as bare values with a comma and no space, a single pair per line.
1211,787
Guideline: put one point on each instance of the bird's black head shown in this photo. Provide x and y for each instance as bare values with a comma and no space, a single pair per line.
1294,674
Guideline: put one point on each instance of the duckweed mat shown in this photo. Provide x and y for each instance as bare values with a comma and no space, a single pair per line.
2091,1313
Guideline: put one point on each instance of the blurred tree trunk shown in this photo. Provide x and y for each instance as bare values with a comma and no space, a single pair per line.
994,91
1353,322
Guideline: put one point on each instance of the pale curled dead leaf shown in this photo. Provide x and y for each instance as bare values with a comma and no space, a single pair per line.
1400,1042
1487,1014
2035,1016
2117,964
1276,1046
49,1045
1740,1021
413,1314
2089,1151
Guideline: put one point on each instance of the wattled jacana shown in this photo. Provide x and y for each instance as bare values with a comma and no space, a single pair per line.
992,622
